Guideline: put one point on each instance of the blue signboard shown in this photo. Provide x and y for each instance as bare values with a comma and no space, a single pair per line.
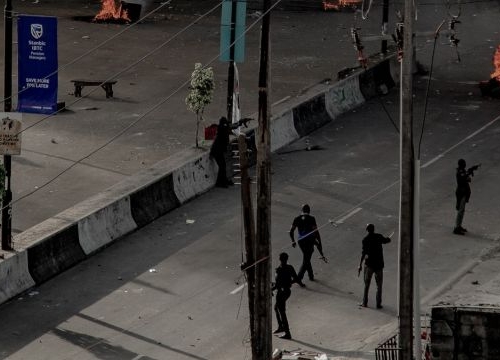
37,64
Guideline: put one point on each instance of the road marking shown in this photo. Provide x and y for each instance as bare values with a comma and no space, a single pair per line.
345,217
430,162
433,160
238,289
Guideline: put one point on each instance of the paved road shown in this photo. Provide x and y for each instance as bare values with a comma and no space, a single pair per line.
307,47
56,143
164,292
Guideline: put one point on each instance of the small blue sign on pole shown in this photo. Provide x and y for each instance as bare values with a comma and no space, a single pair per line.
239,26
37,64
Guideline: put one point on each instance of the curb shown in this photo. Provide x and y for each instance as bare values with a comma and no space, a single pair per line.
64,240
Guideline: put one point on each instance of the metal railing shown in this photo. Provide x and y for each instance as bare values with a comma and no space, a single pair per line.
388,350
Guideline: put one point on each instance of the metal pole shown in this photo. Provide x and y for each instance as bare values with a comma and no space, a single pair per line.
263,320
385,20
230,71
407,190
7,209
416,263
249,225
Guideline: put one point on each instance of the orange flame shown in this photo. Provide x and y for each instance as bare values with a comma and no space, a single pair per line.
328,5
496,64
339,4
111,11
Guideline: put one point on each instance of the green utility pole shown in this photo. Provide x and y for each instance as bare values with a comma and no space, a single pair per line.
232,42
6,206
230,72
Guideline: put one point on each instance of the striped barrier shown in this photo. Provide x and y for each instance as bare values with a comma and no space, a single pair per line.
14,276
62,241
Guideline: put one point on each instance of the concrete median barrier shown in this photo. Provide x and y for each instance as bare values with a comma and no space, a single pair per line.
310,115
153,200
196,177
343,97
14,276
283,131
58,243
105,225
54,254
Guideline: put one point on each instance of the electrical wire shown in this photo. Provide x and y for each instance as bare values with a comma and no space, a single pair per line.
152,109
436,35
388,114
120,133
85,54
159,47
364,15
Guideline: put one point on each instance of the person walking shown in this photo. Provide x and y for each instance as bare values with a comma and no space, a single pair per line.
462,193
285,277
373,255
309,237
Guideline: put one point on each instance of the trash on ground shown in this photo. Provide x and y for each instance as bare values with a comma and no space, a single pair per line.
299,355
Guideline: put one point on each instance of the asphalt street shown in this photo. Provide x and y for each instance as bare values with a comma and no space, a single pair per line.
170,290
152,62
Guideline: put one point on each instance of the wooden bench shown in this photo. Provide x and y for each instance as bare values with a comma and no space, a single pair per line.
106,85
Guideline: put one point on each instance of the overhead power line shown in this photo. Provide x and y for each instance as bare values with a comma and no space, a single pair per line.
150,110
127,68
78,58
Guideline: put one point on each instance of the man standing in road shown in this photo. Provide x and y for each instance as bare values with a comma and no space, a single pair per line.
285,277
462,193
308,238
373,255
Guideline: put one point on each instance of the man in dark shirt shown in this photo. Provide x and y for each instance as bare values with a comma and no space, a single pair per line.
285,277
373,255
308,238
462,193
218,152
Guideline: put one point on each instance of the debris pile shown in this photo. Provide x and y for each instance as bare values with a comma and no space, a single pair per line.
298,355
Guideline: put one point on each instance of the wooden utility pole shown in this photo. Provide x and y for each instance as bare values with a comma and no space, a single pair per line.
407,192
249,225
263,320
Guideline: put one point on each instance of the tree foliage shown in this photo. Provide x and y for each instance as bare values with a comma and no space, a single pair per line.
201,92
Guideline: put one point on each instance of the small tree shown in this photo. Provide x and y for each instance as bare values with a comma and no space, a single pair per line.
200,93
